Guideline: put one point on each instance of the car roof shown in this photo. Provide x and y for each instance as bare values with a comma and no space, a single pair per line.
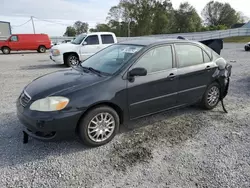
153,41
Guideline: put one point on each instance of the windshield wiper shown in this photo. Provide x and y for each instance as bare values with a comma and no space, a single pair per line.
91,70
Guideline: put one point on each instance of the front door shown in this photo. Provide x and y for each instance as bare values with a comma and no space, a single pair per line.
14,43
195,70
90,46
157,90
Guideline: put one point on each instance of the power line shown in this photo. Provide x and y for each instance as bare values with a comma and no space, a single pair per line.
54,22
21,24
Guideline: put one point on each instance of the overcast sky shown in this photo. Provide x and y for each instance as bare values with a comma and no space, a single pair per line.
66,12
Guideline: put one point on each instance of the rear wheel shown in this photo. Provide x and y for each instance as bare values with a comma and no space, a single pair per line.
211,97
72,60
41,49
5,50
99,126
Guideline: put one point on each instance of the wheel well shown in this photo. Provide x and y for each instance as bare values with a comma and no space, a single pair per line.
5,47
109,104
41,46
65,55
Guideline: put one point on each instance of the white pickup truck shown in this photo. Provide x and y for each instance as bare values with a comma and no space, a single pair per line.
81,47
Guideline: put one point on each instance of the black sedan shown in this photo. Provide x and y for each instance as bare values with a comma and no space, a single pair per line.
122,82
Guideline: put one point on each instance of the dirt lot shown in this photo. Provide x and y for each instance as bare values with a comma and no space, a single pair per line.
182,148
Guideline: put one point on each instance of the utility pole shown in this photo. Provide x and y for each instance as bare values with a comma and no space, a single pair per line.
33,24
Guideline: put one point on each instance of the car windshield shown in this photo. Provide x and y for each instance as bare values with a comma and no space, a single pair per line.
79,39
112,58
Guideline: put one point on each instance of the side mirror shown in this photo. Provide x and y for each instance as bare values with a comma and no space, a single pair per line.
137,72
84,43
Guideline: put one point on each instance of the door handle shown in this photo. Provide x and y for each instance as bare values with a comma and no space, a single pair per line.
171,76
208,67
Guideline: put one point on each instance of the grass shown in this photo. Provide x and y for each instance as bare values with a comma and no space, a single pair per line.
243,39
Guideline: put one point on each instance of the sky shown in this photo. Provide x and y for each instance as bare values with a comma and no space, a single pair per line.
53,16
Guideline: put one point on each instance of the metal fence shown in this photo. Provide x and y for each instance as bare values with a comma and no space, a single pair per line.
199,36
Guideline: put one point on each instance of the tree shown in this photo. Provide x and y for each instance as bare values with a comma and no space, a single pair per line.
81,27
70,31
187,19
101,27
216,13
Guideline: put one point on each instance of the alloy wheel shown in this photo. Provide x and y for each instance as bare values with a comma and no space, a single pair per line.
73,60
101,127
213,96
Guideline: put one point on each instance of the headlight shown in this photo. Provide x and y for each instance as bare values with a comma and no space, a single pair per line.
55,52
49,104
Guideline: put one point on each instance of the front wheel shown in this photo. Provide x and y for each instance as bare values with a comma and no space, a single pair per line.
72,60
211,97
6,50
247,48
99,126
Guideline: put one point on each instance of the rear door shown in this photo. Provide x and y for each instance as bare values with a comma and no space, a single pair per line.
195,70
91,46
157,90
107,39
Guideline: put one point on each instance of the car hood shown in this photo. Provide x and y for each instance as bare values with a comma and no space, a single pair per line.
60,81
65,46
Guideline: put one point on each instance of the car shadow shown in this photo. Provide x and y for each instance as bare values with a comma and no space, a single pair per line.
152,119
44,66
13,151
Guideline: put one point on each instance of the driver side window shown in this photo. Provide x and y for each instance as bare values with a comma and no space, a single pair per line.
156,59
14,38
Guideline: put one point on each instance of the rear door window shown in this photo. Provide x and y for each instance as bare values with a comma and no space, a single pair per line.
107,39
92,40
188,55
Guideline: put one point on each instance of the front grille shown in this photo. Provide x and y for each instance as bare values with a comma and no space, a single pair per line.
24,99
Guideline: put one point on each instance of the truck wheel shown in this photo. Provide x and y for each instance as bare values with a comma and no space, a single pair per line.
41,49
72,60
99,126
211,96
6,50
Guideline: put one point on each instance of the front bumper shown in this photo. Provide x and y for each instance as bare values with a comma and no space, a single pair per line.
57,59
49,126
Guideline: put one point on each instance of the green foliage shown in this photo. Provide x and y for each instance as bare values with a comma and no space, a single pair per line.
148,17
81,27
217,13
70,31
243,39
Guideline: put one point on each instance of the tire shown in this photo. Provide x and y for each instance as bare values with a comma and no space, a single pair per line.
72,60
213,90
246,48
6,50
41,49
87,131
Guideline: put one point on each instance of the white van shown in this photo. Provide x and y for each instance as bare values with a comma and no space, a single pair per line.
81,47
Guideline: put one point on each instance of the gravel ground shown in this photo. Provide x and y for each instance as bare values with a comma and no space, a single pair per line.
183,148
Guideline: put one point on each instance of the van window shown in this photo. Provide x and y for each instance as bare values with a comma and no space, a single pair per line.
189,55
92,40
14,38
107,39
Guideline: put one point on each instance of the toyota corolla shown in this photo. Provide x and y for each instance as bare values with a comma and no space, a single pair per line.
122,82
